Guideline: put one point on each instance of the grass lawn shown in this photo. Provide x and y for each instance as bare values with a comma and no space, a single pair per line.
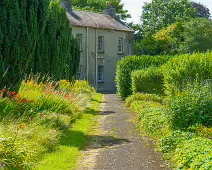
65,157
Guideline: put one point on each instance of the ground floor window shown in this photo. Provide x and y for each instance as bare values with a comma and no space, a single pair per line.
100,77
79,72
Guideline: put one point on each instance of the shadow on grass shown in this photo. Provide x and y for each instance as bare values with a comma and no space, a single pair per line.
80,140
94,100
92,111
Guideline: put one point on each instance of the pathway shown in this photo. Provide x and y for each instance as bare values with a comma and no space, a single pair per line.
118,145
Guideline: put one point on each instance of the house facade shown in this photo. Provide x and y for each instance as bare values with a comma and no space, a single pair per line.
103,40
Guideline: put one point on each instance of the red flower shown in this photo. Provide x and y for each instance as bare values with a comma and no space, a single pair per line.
42,115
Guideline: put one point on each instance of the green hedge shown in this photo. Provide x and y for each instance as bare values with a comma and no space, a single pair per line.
148,80
131,63
185,69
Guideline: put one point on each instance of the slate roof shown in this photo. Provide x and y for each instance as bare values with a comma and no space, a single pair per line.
94,20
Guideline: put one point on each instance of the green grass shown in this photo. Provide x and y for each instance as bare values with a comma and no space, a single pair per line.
65,157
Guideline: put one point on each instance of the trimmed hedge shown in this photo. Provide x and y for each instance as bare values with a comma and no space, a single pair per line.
130,63
148,80
185,69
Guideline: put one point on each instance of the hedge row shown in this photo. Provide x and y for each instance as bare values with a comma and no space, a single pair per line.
35,36
185,69
127,65
148,80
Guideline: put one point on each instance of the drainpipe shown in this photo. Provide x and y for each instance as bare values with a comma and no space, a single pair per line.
96,52
87,52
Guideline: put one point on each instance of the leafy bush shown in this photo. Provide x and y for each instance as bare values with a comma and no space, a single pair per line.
195,153
148,80
131,63
185,69
192,105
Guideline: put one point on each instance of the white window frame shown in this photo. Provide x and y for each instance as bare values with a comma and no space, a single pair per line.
79,40
120,45
100,43
100,78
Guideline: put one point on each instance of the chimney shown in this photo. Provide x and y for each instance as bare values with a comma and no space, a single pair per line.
67,4
110,10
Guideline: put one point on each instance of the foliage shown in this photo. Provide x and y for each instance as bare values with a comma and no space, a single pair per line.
188,149
161,13
201,10
73,140
185,69
131,63
195,153
164,41
192,105
100,5
170,142
197,36
182,126
33,120
148,80
180,37
169,39
153,119
147,46
35,37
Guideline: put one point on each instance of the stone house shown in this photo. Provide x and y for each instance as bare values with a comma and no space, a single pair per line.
103,40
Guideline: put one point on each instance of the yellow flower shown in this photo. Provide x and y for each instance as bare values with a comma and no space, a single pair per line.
22,126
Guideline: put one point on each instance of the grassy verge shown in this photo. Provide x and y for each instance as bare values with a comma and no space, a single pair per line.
44,117
72,141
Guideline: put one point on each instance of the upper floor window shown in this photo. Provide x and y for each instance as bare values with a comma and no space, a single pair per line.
120,45
100,44
79,40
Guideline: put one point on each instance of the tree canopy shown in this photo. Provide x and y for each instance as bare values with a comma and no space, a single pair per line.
100,5
161,13
201,10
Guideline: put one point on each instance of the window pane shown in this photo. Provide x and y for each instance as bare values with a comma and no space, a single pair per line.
120,45
100,43
100,73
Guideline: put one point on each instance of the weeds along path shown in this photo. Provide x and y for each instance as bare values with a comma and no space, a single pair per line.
117,145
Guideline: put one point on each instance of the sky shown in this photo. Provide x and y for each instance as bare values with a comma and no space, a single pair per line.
135,6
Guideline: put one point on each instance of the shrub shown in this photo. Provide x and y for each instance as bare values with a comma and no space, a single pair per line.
131,63
148,80
195,153
192,105
186,68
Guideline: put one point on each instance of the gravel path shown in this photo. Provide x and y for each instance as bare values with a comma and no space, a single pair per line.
118,146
